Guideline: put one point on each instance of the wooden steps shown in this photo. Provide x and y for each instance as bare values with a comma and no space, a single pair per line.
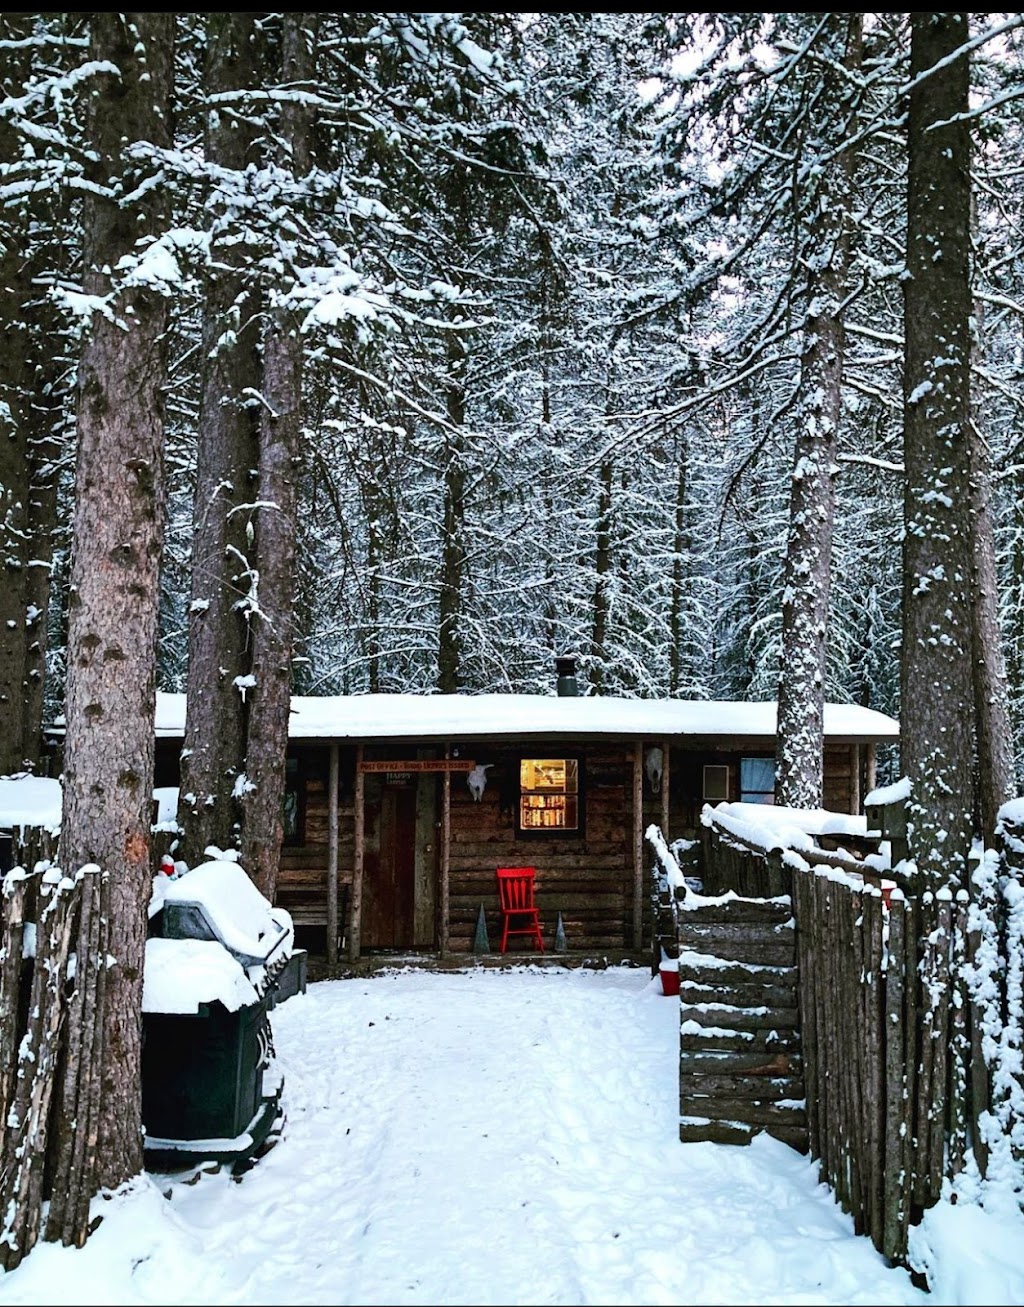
740,1064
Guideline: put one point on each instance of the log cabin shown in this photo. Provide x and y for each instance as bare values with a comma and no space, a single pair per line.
400,808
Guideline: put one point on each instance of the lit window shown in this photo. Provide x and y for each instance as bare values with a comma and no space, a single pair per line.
549,794
716,782
757,780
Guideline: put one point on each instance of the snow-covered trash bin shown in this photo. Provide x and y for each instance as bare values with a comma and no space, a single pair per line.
218,960
218,901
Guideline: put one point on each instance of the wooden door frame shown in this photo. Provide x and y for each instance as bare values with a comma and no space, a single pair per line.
422,765
359,801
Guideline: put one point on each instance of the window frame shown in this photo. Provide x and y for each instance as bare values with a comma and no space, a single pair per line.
295,767
717,767
550,832
758,757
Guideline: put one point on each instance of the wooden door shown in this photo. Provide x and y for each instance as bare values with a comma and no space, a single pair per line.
389,888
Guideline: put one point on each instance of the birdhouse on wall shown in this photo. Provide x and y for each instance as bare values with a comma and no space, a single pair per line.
654,764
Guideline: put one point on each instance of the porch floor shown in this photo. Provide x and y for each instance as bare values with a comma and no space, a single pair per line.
317,967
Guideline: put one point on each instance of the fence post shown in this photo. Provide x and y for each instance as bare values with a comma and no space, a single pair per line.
807,980
942,996
960,1047
898,1095
776,874
1007,1079
874,1042
23,1156
12,918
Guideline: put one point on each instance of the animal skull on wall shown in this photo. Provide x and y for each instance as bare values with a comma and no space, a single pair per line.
477,780
654,762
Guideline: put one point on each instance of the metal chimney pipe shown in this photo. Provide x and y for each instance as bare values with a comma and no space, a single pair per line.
565,667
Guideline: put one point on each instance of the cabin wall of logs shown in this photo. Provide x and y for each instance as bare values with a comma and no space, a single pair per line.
848,774
593,881
303,874
898,992
587,878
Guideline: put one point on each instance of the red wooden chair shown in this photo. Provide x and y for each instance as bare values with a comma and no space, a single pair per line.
515,893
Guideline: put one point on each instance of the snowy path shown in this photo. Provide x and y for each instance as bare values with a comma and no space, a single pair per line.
482,1138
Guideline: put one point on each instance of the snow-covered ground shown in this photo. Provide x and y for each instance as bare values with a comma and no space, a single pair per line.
498,1136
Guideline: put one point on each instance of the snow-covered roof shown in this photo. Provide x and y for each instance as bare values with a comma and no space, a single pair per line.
897,792
464,716
30,801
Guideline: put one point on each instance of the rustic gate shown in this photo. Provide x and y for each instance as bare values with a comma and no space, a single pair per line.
856,1023
740,1064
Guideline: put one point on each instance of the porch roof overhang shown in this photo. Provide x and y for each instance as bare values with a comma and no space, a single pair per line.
706,724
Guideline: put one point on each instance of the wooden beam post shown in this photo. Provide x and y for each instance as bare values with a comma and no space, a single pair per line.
666,776
357,859
332,858
446,834
425,862
855,761
638,845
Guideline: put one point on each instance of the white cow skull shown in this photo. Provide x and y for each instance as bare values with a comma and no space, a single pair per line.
654,762
477,780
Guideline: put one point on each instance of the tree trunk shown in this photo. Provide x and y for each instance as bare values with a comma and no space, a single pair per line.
47,417
937,707
29,365
223,562
993,731
602,577
549,440
118,537
453,543
1014,600
808,562
681,562
374,567
279,463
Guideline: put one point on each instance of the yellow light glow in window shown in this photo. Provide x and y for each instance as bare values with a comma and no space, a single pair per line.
549,794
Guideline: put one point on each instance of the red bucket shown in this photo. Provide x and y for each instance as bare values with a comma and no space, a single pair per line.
669,973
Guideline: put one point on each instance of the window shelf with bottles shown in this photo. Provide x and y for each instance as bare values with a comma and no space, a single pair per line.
549,794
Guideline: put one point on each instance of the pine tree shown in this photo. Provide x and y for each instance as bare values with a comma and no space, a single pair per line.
936,672
280,453
823,232
33,367
223,563
118,532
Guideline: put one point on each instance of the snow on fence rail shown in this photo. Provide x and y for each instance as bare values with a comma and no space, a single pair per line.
668,890
910,1012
